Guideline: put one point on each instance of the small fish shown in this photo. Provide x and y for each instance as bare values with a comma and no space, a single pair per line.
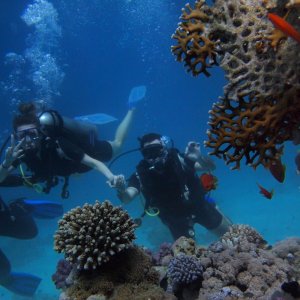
208,181
277,169
265,192
284,26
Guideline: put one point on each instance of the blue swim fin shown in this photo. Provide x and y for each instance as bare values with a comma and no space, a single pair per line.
22,283
136,94
42,209
97,119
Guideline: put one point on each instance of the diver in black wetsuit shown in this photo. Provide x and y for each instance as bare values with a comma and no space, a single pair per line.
53,146
16,222
171,188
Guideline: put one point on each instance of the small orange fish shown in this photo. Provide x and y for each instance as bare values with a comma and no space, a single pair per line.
284,26
265,192
277,169
208,181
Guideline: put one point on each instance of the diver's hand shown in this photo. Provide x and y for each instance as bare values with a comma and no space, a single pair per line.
202,163
118,182
13,152
193,151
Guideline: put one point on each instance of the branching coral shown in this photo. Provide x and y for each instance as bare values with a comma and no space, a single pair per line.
254,129
90,235
194,47
262,66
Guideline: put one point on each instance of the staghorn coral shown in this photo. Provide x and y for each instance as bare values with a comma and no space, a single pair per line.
262,67
90,235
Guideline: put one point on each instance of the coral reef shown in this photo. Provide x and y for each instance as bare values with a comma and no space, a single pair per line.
183,270
239,265
63,270
260,108
249,271
128,275
90,235
164,252
240,235
184,245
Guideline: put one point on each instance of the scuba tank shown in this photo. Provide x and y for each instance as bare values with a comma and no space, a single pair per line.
53,124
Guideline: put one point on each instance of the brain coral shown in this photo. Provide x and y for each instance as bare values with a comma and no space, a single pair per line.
90,235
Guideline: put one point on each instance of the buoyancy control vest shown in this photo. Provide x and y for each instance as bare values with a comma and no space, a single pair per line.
53,125
171,170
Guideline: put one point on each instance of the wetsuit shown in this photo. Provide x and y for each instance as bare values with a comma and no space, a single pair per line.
178,194
63,158
58,157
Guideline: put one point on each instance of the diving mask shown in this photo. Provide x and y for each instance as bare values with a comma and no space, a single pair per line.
30,136
152,151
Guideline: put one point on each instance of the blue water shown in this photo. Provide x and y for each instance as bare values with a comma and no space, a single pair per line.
98,51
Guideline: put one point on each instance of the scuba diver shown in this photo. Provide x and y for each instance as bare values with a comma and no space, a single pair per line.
172,190
52,146
16,221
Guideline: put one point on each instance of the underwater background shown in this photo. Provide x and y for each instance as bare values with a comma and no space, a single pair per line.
83,57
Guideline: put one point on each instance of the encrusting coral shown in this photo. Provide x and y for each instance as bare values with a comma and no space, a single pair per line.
90,235
260,108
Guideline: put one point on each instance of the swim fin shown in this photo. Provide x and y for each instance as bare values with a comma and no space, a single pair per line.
22,283
42,209
136,94
97,119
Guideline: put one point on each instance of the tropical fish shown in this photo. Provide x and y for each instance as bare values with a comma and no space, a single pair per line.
277,169
284,26
265,192
208,181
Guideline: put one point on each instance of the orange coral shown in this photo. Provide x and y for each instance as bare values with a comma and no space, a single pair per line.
276,37
261,105
254,128
194,48
293,4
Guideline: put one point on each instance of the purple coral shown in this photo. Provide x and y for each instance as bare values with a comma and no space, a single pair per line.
63,269
165,249
184,269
